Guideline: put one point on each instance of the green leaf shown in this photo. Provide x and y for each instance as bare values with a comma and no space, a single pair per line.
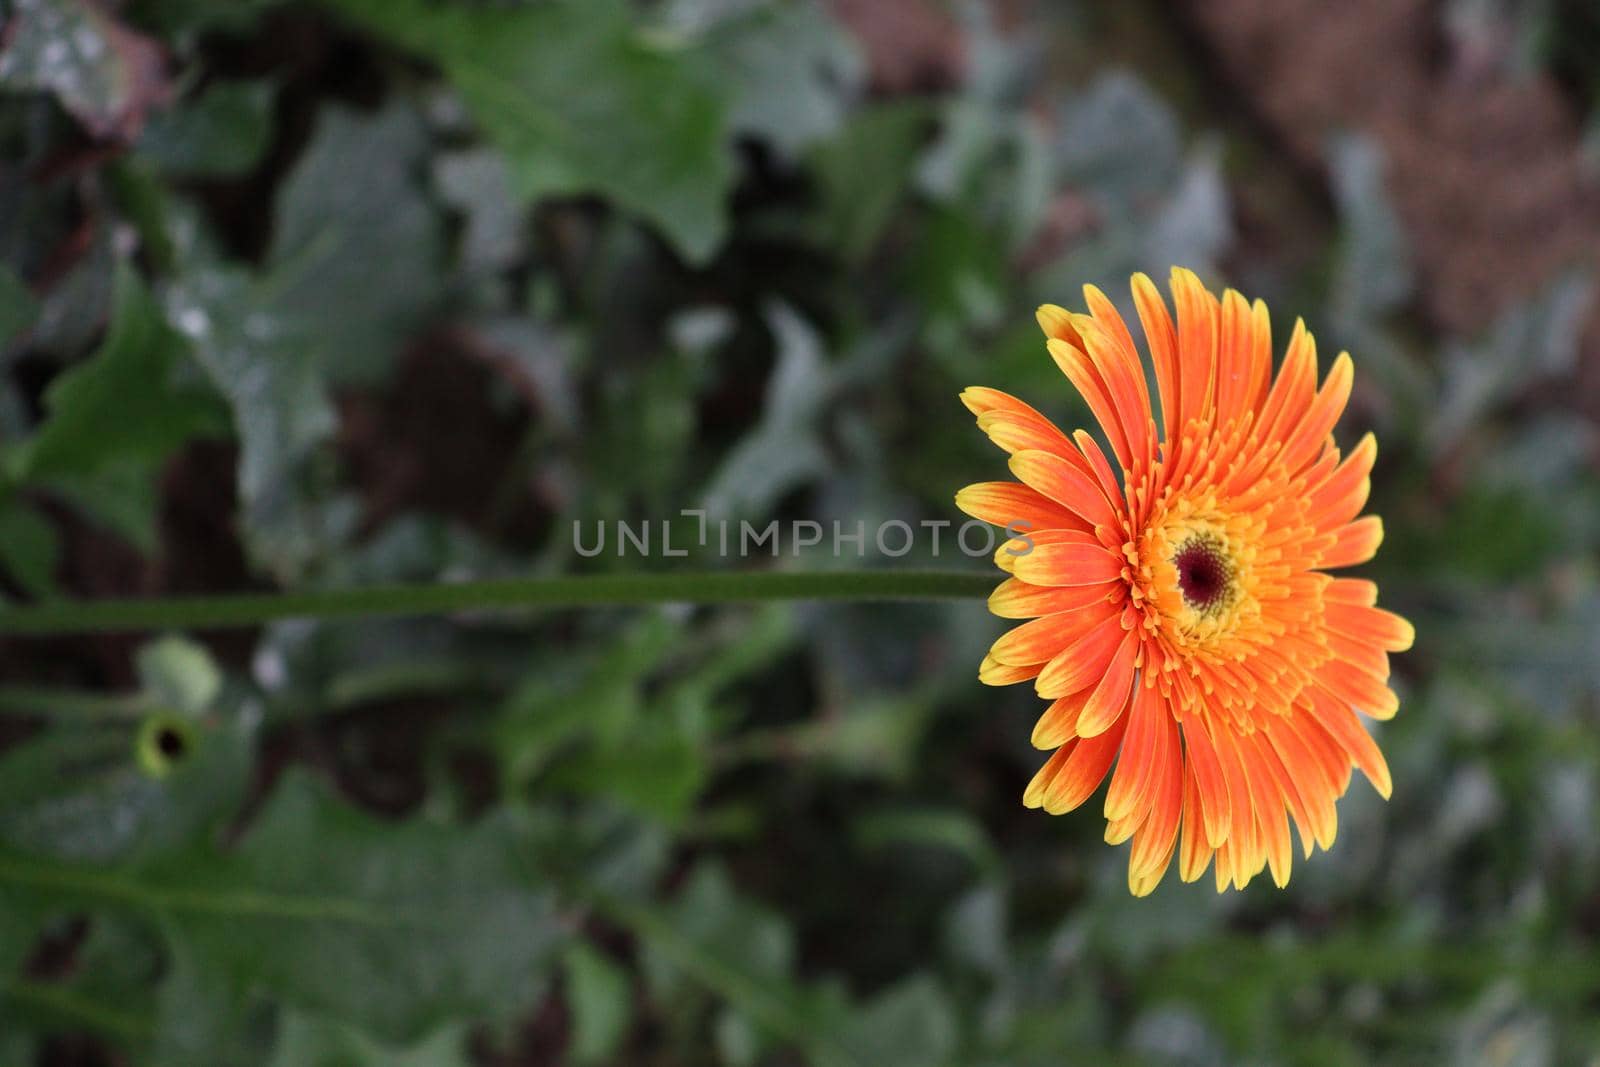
356,247
29,548
222,133
123,408
281,409
601,1000
955,831
349,274
862,175
396,930
711,938
911,1024
1119,139
790,70
93,789
581,103
114,419
306,1041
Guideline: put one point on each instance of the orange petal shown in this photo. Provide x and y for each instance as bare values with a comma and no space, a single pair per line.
1210,785
1033,795
1059,723
1071,486
1291,394
1040,640
1373,625
1083,770
1005,503
1306,435
1354,543
1016,599
1193,852
1056,322
1109,345
1154,843
1198,316
1341,497
1135,764
1162,339
1081,662
1067,564
1359,689
1237,348
1110,697
993,672
1081,372
1363,751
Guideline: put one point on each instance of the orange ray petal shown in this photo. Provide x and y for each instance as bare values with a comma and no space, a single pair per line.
1198,315
1155,840
1161,337
1016,599
1306,435
1004,503
1193,852
1346,729
1210,785
1083,770
1110,697
1059,723
1080,370
1071,486
1040,640
1085,660
993,672
1370,624
1067,564
1354,543
1138,753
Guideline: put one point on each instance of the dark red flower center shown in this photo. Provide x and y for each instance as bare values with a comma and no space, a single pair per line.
1204,574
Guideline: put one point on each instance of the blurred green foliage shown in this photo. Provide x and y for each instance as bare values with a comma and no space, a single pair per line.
440,278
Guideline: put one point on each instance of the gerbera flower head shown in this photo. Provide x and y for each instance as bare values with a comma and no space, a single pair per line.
1183,623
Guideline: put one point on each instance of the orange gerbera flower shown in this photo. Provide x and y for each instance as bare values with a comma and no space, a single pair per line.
1182,625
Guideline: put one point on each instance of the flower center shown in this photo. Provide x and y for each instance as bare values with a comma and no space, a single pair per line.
1205,575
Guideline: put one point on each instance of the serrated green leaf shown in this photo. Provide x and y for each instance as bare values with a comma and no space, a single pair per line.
355,254
581,103
114,419
349,273
394,929
791,73
81,791
123,406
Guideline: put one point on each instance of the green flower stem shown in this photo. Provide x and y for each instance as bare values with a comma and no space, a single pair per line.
251,609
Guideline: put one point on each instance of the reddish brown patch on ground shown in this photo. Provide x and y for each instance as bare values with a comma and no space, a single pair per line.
910,45
1484,168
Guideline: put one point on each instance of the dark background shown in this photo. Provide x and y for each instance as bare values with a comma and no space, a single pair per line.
375,290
